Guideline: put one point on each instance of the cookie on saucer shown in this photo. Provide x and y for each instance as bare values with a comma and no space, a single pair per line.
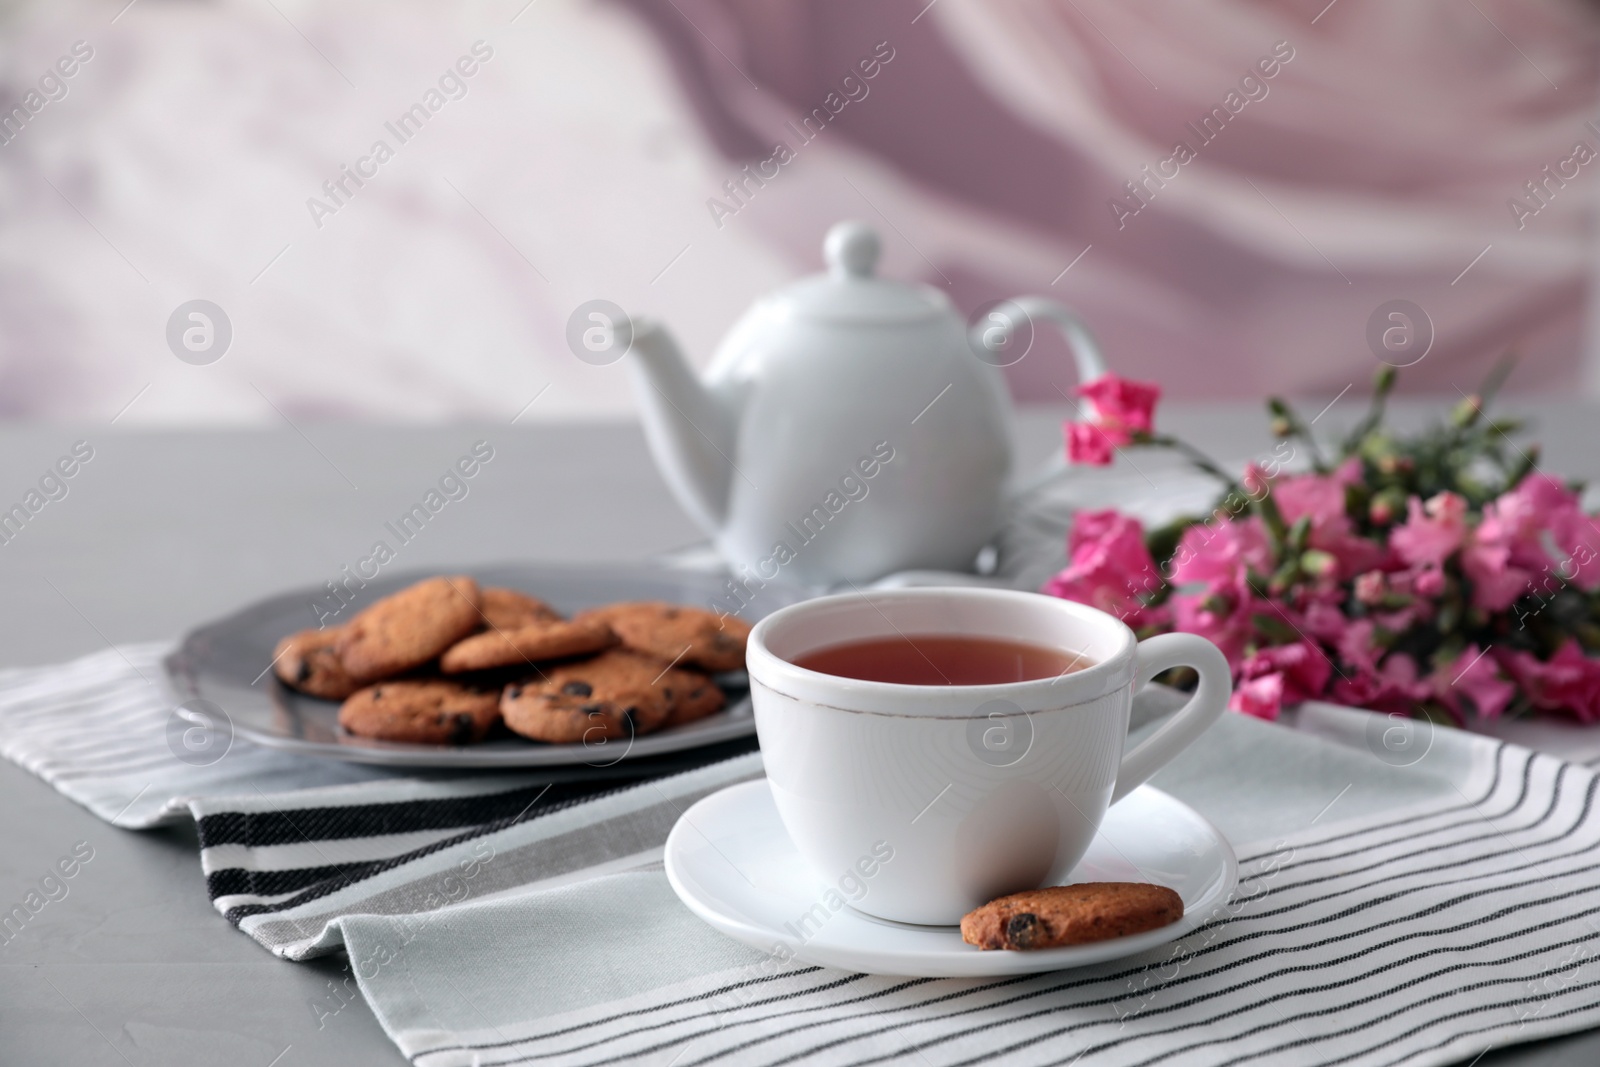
677,633
620,693
407,629
1070,915
507,609
421,712
309,661
531,642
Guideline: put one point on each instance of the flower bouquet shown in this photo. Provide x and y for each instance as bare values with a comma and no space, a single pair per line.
1440,574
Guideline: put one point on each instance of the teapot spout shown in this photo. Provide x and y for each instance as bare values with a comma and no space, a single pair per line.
689,428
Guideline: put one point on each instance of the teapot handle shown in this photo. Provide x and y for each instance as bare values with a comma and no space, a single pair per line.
1085,353
1032,309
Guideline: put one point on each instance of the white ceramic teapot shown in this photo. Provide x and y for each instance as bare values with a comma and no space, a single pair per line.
848,427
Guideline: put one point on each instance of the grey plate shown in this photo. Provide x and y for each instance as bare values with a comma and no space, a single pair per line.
227,661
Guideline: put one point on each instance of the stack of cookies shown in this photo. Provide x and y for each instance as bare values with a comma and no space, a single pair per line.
444,661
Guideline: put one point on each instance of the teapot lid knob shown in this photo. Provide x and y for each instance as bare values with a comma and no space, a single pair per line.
851,250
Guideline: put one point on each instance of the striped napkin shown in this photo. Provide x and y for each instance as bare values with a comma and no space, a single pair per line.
1400,904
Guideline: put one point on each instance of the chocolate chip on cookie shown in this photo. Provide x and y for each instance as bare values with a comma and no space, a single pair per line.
308,661
692,696
532,642
507,609
409,628
616,694
421,712
678,634
1071,915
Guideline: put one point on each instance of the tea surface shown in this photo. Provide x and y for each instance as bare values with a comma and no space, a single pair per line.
942,659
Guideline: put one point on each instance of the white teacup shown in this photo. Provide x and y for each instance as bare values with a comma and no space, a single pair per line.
972,791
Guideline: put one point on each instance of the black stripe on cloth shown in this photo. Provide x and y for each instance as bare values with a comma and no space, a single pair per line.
1331,986
989,986
1277,995
1522,795
1453,1038
1181,979
534,809
256,829
695,999
1407,820
1035,1039
235,881
779,999
876,1015
1347,935
1478,859
1367,1024
1496,834
571,794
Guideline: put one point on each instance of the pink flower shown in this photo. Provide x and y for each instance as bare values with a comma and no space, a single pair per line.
1304,668
1580,540
1108,567
1393,687
1120,409
1428,581
1325,621
1256,481
1371,588
1358,649
1518,519
1539,515
1122,403
1213,563
1220,551
1477,678
1569,681
1261,697
1415,603
1431,532
1321,498
1496,585
1317,495
1087,443
1221,613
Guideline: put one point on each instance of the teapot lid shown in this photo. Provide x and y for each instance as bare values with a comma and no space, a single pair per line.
851,292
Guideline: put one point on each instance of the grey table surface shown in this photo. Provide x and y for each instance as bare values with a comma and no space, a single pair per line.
164,529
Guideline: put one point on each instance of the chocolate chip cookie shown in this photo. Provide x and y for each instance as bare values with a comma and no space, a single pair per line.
421,712
616,694
507,609
409,628
309,662
1071,915
531,642
678,634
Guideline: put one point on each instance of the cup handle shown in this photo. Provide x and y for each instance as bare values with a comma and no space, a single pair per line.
1210,700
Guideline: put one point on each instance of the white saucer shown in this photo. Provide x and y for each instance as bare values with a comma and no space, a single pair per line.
730,860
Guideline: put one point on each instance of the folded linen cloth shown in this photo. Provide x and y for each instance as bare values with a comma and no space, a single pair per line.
1411,903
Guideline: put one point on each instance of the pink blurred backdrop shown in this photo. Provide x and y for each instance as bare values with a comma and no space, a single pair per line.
1380,160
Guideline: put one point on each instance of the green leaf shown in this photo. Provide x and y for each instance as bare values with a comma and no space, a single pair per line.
1274,629
1298,533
